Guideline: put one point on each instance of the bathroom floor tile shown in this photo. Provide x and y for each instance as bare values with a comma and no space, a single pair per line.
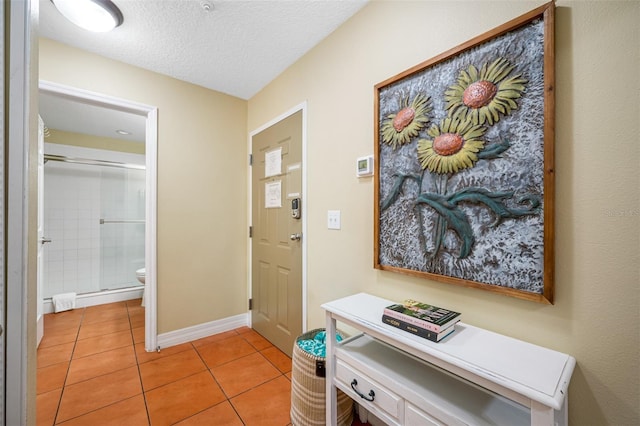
138,334
58,336
278,358
135,309
66,318
93,345
256,340
268,404
178,400
105,315
102,328
47,406
55,354
51,377
244,373
129,412
133,302
221,414
170,368
99,392
136,320
95,365
218,353
107,307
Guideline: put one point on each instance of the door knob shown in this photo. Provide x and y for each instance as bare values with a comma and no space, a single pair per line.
45,240
295,237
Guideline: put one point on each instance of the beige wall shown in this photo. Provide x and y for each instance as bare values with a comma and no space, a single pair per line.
95,142
202,169
596,313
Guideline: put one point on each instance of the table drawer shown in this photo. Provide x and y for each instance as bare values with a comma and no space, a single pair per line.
414,416
382,398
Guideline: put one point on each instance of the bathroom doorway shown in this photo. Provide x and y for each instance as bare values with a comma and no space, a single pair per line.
99,163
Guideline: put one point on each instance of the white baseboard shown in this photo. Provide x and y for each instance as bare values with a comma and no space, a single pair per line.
199,331
100,298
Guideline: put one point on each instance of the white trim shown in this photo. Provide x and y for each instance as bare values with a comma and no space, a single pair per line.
151,233
100,298
3,254
199,331
300,107
17,221
151,159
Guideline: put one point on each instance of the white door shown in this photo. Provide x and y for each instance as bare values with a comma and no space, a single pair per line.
41,239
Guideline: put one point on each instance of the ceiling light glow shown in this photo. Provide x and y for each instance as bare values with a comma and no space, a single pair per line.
93,15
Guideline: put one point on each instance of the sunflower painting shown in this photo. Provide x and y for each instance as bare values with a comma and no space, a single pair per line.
464,154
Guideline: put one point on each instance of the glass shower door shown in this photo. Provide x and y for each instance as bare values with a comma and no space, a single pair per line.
122,212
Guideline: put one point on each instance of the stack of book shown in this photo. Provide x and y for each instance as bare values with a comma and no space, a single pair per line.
427,321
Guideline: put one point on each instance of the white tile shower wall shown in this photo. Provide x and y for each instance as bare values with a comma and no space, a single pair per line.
71,204
73,197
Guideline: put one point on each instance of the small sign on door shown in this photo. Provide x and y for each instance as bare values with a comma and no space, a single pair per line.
273,162
273,195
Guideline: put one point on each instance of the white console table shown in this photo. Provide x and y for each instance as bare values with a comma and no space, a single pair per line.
472,377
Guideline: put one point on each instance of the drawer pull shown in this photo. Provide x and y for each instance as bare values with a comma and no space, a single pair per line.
371,395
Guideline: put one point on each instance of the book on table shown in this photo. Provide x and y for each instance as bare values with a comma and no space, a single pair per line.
418,331
422,315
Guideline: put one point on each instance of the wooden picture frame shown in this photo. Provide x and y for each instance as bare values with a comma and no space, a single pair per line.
464,151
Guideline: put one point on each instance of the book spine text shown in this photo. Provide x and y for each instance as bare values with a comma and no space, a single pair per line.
411,320
426,334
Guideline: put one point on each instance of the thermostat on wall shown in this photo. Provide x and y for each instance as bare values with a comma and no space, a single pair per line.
364,166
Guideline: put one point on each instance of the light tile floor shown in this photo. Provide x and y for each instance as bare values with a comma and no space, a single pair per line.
93,370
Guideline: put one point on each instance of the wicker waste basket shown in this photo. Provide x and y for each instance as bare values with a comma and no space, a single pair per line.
308,389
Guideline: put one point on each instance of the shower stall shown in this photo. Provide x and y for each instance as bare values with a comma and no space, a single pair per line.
94,210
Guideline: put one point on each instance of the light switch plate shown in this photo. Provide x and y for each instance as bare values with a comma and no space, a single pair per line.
333,219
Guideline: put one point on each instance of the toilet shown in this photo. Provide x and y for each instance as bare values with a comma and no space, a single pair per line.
140,273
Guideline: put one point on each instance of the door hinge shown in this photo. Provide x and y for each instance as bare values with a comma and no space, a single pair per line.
250,304
251,232
251,159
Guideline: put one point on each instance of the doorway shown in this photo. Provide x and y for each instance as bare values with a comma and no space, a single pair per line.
81,98
278,218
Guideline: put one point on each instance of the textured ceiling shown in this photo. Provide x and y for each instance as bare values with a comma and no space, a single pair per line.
61,113
236,47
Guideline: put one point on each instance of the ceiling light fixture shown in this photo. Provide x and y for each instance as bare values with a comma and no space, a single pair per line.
206,5
94,15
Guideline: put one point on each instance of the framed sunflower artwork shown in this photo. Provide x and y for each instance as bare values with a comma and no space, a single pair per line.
465,158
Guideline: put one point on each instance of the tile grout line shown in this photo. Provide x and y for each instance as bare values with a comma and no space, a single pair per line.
227,397
66,376
135,354
64,386
255,346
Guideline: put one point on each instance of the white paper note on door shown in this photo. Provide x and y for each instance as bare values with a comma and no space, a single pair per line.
273,162
273,195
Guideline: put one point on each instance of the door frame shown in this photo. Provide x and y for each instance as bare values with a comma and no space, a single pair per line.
303,201
19,70
151,199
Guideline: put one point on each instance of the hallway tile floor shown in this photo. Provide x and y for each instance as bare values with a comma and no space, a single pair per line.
93,370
